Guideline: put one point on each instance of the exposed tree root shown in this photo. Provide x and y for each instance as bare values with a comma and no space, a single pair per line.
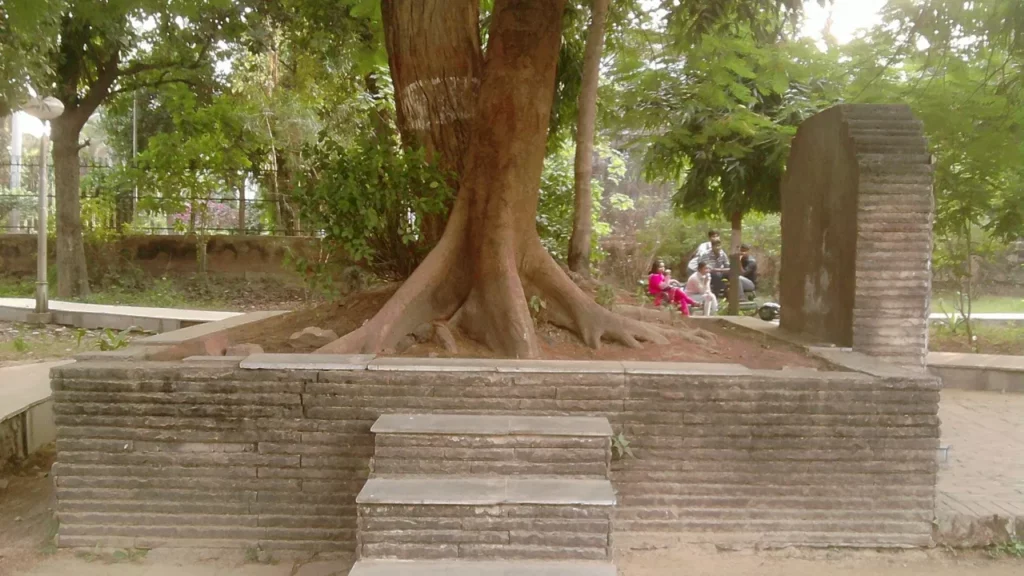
496,312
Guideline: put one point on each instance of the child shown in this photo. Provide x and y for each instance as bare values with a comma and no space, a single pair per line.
660,284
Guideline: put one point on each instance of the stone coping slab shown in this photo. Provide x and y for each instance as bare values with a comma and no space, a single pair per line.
465,491
979,361
343,362
350,362
462,424
484,568
210,327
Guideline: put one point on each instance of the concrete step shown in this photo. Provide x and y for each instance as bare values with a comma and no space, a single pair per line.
491,445
474,518
466,568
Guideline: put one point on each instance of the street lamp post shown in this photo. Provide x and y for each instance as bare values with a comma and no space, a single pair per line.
45,109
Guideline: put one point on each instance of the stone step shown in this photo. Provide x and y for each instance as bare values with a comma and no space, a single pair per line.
468,568
473,518
489,445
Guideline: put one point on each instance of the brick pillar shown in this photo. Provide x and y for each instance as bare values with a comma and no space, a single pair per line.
857,231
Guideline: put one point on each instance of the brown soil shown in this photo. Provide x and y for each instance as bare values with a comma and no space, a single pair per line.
734,344
27,522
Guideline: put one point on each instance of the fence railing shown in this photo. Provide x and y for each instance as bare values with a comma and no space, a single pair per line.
247,210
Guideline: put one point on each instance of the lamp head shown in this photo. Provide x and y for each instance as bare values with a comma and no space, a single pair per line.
44,109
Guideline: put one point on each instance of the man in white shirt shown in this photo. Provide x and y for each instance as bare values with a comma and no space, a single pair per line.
698,287
703,249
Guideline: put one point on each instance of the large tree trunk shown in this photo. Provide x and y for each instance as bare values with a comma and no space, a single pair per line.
582,224
734,263
435,59
489,260
72,273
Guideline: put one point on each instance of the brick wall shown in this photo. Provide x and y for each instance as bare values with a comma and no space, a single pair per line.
171,454
857,213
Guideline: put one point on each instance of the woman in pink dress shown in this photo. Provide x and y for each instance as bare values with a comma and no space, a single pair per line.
660,285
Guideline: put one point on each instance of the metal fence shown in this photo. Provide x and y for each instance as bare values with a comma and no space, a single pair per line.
245,211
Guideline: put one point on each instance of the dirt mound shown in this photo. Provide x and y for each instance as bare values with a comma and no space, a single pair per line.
733,344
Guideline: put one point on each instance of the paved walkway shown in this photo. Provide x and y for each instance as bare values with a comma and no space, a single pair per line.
985,472
985,317
23,386
115,317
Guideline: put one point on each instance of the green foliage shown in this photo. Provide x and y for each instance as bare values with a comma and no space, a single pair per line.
20,345
606,296
1012,549
368,199
719,124
111,340
555,206
538,306
620,447
28,31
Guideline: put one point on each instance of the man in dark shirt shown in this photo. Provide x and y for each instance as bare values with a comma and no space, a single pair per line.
748,265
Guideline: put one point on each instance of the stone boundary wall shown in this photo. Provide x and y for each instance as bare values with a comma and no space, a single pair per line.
168,255
207,454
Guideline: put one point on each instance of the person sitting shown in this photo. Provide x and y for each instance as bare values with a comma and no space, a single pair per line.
698,289
748,265
660,285
703,249
718,263
718,266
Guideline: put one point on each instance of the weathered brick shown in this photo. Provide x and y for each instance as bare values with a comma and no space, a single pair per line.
124,519
525,552
410,551
434,536
560,539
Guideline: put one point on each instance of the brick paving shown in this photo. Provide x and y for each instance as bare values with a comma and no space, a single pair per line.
984,475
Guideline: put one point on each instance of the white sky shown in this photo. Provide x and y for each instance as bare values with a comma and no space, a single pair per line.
848,17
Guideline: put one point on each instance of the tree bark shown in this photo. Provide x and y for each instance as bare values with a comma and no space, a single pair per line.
734,263
489,262
436,61
582,224
72,271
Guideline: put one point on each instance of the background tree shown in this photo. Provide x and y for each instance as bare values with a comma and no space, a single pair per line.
106,48
28,31
958,65
490,262
721,122
579,242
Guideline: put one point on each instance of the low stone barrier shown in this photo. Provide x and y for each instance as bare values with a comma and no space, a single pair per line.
208,454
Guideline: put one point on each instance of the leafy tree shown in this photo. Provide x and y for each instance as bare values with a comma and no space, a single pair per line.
719,123
490,262
958,65
28,31
106,48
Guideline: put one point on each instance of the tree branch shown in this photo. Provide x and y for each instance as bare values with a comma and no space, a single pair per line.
140,67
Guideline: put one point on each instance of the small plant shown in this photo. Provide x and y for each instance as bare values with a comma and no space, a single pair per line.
255,555
620,447
114,340
21,345
537,307
129,555
1012,549
79,335
606,296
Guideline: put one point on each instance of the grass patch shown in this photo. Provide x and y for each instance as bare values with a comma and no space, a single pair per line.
989,339
981,305
1012,549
